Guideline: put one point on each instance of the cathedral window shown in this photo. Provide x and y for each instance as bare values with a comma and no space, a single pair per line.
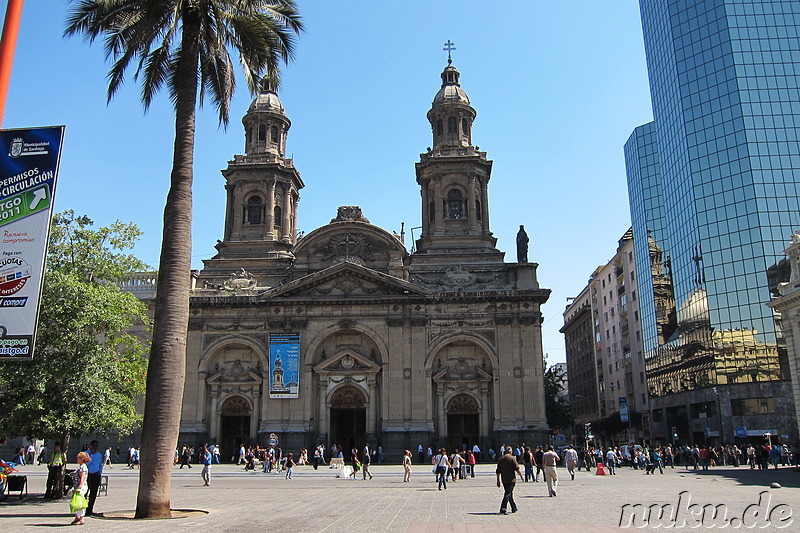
451,125
432,211
455,204
277,213
262,133
478,209
248,135
273,132
439,127
465,127
254,211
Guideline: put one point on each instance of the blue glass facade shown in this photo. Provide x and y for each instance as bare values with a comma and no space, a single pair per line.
714,186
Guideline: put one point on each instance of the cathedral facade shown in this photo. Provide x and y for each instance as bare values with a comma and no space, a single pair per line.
343,336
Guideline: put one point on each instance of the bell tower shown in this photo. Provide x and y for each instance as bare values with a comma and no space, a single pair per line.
454,177
263,187
263,193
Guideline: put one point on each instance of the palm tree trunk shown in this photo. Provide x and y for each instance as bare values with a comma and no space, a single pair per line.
167,366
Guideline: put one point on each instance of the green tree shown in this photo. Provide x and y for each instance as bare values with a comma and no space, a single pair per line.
183,44
556,407
88,369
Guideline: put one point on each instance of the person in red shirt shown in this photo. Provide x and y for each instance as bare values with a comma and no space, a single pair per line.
704,457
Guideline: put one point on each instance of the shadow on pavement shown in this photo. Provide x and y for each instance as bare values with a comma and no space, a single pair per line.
788,477
36,515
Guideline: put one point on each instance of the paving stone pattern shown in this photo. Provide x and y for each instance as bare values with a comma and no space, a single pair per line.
316,501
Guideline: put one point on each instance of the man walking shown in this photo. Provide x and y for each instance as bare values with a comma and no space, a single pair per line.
207,458
289,466
186,457
365,462
549,460
571,459
507,467
528,461
95,474
537,462
31,453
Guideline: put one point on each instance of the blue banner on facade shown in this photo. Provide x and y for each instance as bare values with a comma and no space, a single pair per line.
623,409
29,160
284,365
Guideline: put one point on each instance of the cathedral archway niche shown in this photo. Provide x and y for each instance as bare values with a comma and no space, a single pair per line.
462,377
232,368
346,356
348,416
463,421
236,416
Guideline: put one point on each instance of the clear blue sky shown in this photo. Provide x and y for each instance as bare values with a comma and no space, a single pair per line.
558,87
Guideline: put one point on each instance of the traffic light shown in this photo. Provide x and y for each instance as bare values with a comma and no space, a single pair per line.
588,429
674,433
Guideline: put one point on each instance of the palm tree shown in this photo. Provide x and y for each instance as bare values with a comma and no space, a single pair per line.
183,44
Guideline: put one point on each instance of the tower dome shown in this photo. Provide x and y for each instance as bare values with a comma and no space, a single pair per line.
451,91
451,114
266,124
267,100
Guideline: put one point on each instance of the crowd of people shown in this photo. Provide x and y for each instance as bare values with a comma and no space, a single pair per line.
539,463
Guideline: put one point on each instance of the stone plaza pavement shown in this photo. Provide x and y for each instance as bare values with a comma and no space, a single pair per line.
316,501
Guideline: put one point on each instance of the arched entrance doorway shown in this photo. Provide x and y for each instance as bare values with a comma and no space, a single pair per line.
463,424
348,419
236,413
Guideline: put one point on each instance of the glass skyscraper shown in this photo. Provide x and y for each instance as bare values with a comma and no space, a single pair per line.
714,186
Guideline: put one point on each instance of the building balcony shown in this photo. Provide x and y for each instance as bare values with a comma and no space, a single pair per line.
141,284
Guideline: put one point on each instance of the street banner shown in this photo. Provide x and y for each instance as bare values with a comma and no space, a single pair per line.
623,409
284,365
29,160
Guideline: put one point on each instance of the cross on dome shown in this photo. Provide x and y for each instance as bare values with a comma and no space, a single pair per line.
449,47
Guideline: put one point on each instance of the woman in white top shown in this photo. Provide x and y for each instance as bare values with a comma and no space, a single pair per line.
455,462
78,503
442,463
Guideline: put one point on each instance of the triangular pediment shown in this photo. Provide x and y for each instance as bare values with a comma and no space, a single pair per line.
347,362
344,280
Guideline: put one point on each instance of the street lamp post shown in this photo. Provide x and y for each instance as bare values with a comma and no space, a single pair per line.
719,415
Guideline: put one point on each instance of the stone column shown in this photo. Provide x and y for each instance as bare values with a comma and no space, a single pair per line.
322,416
485,205
237,212
474,227
265,388
372,408
287,215
438,224
294,218
426,216
214,414
484,415
229,211
254,416
441,431
271,211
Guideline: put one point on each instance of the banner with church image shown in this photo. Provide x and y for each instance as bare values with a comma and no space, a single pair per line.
284,365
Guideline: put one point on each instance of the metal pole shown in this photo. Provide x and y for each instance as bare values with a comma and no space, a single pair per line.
8,44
